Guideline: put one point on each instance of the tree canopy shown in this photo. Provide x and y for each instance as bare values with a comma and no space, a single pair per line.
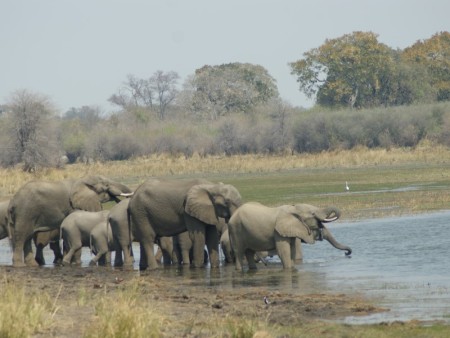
357,70
434,55
224,88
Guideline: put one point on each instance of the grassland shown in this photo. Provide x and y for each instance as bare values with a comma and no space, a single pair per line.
382,183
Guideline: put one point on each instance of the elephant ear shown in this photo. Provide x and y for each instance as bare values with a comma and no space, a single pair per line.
291,225
86,194
198,204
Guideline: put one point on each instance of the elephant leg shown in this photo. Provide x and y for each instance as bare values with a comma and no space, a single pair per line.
39,257
127,255
185,246
298,251
283,246
167,258
28,253
69,257
198,239
108,259
56,248
250,255
18,252
212,243
96,259
103,260
293,251
147,255
77,256
118,259
158,254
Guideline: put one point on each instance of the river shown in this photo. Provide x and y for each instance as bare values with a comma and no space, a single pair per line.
402,263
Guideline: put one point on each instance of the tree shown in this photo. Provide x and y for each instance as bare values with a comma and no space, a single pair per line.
139,95
33,140
219,90
345,71
164,86
134,92
76,125
434,55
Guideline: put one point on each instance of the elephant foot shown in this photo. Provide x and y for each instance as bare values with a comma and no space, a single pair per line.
19,265
92,263
57,261
32,263
65,263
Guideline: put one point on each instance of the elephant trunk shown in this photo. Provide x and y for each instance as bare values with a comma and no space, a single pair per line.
329,237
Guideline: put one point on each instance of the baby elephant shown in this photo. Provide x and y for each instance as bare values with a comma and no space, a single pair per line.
102,243
75,232
255,227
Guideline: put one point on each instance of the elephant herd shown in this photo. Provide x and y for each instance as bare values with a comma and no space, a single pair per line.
188,219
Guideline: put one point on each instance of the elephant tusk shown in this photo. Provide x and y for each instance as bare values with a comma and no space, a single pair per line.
332,219
126,194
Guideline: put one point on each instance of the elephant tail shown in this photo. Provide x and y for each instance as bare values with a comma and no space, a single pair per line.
11,221
130,235
108,226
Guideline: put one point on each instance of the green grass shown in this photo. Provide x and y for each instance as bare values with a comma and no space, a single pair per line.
374,191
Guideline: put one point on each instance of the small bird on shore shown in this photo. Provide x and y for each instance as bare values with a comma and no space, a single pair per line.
266,300
347,188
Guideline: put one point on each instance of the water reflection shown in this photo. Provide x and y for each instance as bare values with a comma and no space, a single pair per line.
401,262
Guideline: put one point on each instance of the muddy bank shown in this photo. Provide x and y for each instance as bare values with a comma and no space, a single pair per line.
181,300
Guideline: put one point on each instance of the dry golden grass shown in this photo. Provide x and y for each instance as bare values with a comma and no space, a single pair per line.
135,171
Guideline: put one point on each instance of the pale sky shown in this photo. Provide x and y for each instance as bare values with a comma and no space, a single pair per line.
80,52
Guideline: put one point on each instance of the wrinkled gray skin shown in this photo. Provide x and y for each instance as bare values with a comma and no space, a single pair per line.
42,206
255,227
102,244
225,245
168,207
41,239
76,231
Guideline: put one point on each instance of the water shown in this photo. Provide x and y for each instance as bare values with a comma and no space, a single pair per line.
402,263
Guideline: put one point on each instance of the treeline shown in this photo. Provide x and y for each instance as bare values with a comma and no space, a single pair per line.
367,94
275,129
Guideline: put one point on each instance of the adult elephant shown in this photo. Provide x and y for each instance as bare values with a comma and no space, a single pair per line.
255,227
41,239
76,232
42,206
169,207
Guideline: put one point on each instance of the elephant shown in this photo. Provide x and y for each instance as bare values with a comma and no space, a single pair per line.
76,233
169,207
42,206
255,227
102,244
41,239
